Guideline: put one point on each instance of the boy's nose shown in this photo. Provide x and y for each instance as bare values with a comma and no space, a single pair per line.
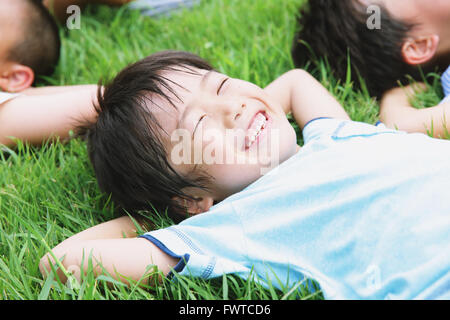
229,112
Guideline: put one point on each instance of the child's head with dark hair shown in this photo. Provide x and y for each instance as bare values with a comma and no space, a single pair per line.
162,123
30,43
411,33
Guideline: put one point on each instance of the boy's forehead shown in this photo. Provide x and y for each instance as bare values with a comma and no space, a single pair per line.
184,83
164,113
185,80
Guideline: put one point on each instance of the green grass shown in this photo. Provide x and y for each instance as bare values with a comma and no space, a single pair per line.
48,194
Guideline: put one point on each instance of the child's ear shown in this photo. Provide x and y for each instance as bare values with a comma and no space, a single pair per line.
196,205
16,78
420,50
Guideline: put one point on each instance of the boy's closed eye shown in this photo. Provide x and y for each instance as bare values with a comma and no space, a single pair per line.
219,89
198,123
221,85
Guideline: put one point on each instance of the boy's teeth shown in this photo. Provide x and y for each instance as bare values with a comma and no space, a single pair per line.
254,131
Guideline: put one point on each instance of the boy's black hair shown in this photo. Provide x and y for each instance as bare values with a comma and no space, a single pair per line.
40,45
124,144
336,29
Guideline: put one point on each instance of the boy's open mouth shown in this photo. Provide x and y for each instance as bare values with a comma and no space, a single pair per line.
256,128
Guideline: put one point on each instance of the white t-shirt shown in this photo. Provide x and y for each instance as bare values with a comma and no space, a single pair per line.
6,96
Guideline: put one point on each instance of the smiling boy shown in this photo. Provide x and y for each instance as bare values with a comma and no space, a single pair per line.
355,208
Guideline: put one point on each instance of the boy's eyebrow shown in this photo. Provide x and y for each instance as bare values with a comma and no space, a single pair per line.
205,78
203,83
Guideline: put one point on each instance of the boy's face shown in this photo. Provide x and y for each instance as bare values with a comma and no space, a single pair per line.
227,128
436,11
424,12
8,30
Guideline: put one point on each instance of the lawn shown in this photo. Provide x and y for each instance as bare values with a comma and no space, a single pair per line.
49,193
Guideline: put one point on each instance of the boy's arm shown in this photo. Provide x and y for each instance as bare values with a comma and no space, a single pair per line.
38,91
397,112
300,93
112,245
36,115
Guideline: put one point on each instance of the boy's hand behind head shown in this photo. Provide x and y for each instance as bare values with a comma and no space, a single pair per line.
173,132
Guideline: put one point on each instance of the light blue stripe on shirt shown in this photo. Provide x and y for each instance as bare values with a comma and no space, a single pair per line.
161,7
445,80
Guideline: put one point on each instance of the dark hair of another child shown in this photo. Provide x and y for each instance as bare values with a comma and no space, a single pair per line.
40,45
338,29
124,144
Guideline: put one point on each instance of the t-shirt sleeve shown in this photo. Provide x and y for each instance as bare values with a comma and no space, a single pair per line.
326,131
5,96
319,128
445,80
208,245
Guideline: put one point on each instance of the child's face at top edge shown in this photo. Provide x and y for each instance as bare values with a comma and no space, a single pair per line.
424,12
9,29
228,128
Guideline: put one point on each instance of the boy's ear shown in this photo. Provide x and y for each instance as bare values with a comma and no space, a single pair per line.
420,50
196,205
16,77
